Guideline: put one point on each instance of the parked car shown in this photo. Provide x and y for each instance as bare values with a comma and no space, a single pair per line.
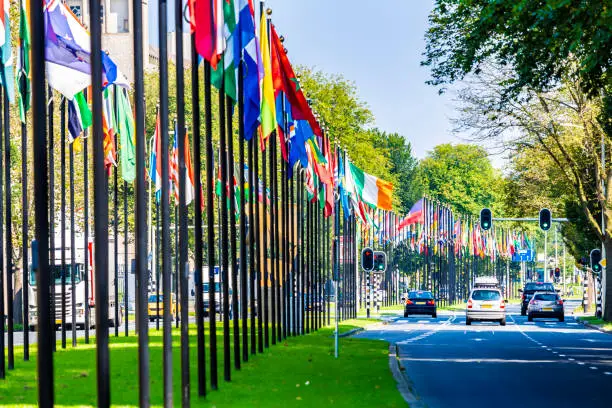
158,313
420,302
545,304
486,304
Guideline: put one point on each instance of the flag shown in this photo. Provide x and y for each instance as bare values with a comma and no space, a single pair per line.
125,126
68,55
299,104
79,115
7,75
190,179
414,215
23,62
226,74
108,129
174,166
268,108
207,24
251,67
155,163
372,190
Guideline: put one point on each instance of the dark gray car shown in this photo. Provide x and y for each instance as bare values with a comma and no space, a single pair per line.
545,304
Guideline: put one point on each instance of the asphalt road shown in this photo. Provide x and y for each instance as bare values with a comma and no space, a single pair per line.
524,364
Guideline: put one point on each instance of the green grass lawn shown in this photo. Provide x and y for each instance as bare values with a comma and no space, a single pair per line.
598,322
301,371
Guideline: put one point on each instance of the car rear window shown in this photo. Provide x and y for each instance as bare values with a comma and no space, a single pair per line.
545,296
420,294
486,295
540,286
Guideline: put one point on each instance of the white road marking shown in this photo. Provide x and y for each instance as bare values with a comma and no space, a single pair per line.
571,359
561,355
607,373
580,363
572,324
593,368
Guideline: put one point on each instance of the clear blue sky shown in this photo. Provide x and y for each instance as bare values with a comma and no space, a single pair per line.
375,44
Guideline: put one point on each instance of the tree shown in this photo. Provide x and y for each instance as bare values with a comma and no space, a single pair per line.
403,166
347,118
462,177
535,38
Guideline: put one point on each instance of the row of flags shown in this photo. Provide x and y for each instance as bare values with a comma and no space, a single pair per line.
227,37
431,228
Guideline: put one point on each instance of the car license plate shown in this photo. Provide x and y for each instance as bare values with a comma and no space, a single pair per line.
486,306
548,309
420,303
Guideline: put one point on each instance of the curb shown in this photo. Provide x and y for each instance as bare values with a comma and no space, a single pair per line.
404,385
594,327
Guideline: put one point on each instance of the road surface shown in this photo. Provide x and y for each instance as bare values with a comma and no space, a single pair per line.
524,364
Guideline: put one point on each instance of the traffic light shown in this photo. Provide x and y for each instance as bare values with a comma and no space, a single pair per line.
367,259
380,261
595,259
486,219
545,219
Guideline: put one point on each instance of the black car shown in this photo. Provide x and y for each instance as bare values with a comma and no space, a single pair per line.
420,302
531,288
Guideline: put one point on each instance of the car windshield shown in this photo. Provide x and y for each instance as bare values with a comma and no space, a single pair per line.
205,287
540,286
153,298
551,297
68,270
486,295
420,295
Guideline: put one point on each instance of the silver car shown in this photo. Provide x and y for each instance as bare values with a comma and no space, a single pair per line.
485,304
545,304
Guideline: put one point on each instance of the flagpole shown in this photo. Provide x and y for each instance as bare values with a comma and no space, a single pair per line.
253,226
232,228
141,272
268,311
24,218
210,214
73,267
242,216
165,204
63,213
8,229
86,232
198,238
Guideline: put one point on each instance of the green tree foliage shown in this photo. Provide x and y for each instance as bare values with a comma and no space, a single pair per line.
404,167
461,176
536,38
347,119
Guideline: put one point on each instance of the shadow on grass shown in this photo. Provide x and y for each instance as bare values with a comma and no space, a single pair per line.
298,371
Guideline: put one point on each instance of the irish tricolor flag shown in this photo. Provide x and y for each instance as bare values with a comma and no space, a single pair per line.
372,190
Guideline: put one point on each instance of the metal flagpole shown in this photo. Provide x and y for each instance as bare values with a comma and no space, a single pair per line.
86,257
73,267
253,225
142,284
8,229
63,214
224,233
260,234
51,209
242,217
115,224
182,252
233,244
210,216
40,254
198,204
268,307
126,273
25,281
101,213
165,202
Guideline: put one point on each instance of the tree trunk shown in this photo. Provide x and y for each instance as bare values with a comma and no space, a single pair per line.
606,282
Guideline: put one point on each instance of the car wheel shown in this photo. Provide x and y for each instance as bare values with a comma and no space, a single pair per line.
562,318
530,318
502,322
405,314
523,312
434,315
468,322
